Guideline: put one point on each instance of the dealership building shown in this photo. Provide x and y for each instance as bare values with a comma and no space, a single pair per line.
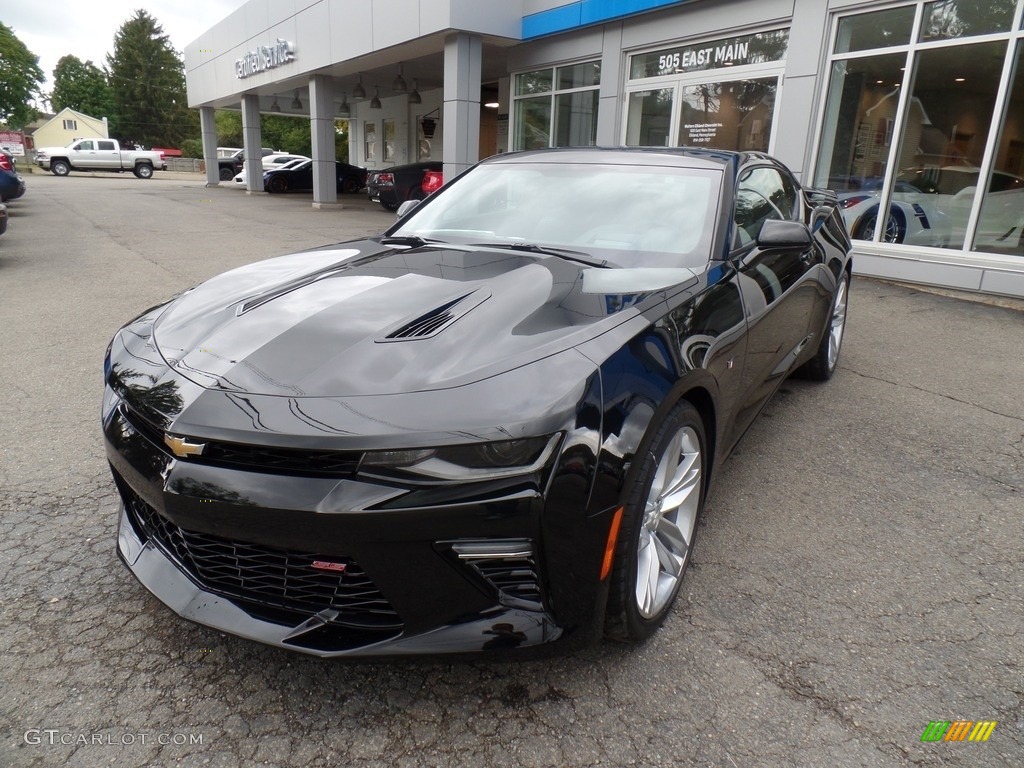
912,110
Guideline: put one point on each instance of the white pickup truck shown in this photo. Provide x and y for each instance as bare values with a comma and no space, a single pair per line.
98,155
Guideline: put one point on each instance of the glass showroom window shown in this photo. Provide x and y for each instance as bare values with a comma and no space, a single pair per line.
557,107
909,116
719,93
1001,222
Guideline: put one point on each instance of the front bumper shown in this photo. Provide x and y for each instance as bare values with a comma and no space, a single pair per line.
321,633
342,566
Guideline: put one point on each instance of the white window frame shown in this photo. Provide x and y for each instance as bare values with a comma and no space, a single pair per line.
676,82
552,95
1013,38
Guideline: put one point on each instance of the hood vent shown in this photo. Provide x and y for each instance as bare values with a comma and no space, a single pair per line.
431,323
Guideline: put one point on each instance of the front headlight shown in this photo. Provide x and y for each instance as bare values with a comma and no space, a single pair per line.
463,463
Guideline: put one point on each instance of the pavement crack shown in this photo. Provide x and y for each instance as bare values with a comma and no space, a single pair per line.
932,392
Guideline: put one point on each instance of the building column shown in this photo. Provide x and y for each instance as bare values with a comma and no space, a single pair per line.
461,142
609,113
252,140
208,130
321,128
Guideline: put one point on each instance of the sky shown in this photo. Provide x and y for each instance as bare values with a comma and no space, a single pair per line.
86,29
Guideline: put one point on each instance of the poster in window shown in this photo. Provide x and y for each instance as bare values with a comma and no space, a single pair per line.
370,140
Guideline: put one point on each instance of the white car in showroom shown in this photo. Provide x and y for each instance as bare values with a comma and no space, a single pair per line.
953,189
913,216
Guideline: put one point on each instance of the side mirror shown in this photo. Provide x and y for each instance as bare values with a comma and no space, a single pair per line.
779,233
407,207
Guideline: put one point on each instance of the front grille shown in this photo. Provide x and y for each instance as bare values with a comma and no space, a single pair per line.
284,460
293,461
276,578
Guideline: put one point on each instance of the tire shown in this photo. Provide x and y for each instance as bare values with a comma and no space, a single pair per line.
143,171
226,174
389,206
350,185
60,167
895,226
826,358
658,527
277,184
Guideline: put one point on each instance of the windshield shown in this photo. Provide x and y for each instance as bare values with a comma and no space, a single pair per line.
627,215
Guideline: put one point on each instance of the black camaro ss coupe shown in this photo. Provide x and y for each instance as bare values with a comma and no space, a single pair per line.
491,427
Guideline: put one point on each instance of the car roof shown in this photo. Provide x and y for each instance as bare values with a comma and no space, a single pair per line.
688,157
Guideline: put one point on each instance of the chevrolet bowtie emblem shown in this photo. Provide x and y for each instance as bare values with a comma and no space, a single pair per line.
182,447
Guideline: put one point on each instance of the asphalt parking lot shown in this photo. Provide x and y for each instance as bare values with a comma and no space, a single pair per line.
858,572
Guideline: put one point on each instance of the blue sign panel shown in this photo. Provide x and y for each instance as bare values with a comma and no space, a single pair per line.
584,12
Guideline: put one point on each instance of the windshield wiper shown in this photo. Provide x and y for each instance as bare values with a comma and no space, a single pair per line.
414,241
547,250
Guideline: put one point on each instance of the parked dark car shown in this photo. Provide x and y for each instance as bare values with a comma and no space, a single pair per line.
12,185
393,186
350,178
491,427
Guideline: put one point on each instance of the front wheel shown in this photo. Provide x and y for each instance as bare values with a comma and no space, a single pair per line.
60,168
659,521
143,171
895,227
826,358
226,174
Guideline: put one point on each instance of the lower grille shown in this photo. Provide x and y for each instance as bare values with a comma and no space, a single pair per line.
275,578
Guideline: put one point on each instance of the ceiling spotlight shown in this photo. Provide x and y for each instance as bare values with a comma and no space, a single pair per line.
359,92
275,107
296,104
375,101
344,110
414,97
492,105
398,85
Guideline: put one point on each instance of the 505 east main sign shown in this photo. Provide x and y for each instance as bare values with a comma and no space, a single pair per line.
263,58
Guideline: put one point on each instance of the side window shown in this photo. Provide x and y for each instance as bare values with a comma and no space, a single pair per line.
106,145
763,193
85,145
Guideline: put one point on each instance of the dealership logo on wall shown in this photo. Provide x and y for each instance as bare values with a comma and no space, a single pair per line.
263,58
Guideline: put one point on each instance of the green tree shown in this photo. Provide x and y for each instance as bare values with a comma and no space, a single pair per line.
147,78
20,77
82,86
229,128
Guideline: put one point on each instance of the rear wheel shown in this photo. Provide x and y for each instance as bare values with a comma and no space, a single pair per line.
60,168
389,206
144,171
226,174
350,185
659,521
277,184
826,358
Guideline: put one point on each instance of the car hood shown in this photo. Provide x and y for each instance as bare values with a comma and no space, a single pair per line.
363,318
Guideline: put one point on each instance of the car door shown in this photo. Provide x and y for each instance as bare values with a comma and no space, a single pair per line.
107,155
776,283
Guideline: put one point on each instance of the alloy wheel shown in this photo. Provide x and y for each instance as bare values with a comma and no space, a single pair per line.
670,517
